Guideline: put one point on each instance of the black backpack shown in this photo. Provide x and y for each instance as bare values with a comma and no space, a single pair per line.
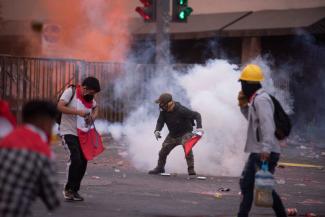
281,119
58,117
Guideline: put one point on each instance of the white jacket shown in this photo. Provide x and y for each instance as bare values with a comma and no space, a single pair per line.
261,126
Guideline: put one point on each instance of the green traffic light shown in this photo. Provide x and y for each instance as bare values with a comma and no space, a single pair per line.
185,13
182,2
181,15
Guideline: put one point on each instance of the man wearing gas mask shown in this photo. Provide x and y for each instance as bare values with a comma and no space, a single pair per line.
77,102
179,121
261,144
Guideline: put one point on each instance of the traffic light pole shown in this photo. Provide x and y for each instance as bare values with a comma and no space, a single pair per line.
162,33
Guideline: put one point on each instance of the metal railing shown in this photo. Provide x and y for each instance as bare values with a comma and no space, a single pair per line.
25,78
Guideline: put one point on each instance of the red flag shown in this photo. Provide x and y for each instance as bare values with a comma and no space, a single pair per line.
91,143
188,145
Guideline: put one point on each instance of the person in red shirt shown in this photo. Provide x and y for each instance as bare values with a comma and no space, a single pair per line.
26,168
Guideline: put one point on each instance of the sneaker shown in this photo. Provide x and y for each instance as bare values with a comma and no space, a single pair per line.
77,197
68,195
156,171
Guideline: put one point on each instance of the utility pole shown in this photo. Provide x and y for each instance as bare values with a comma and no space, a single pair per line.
162,33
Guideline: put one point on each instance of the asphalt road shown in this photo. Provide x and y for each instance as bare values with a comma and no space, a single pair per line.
112,187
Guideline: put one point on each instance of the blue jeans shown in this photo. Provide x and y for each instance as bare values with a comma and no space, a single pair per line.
247,180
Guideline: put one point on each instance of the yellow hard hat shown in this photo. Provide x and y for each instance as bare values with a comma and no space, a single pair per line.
252,72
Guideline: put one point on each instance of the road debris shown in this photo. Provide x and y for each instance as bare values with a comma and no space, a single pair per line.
218,195
292,211
95,177
201,177
224,189
311,201
280,181
300,184
310,214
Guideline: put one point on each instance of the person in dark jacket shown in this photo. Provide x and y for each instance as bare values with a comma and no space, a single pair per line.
179,121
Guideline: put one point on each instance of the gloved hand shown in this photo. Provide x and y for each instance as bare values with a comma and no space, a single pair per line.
199,131
242,99
157,135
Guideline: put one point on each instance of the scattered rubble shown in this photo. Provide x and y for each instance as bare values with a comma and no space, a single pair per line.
224,189
280,181
310,214
95,177
218,195
292,211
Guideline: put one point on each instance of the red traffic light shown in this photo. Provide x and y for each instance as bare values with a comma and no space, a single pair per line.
148,11
146,3
143,14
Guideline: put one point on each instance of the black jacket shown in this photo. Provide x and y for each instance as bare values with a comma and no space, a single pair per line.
179,121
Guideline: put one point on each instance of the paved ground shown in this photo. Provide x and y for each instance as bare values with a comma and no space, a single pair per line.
113,188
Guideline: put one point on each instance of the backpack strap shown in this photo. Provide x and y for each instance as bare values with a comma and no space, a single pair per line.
257,130
73,87
255,95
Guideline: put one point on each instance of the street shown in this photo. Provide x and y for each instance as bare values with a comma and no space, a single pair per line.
112,187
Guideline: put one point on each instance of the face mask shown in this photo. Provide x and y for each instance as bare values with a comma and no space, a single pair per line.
164,107
167,107
88,97
250,88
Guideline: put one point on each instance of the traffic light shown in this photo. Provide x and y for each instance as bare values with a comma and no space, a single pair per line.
148,11
181,11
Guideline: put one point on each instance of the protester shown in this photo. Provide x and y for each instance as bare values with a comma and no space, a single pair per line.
257,107
180,121
26,170
79,110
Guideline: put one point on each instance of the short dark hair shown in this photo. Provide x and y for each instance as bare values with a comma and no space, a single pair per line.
39,108
91,83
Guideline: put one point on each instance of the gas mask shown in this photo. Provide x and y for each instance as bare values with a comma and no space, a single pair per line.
163,107
249,88
167,107
88,97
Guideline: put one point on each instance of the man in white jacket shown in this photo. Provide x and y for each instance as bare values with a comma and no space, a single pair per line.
257,107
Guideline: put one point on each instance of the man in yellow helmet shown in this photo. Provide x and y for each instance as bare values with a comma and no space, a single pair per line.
257,107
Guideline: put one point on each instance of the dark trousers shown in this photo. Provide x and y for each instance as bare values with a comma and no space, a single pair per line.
247,185
169,144
77,163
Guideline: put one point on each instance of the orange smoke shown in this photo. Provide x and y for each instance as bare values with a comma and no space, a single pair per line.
88,29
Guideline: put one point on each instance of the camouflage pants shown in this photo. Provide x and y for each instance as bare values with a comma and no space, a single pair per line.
169,144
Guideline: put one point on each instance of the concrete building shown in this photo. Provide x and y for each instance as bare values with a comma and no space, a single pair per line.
236,27
290,33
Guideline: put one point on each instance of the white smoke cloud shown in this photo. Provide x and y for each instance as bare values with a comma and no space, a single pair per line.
210,89
281,91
